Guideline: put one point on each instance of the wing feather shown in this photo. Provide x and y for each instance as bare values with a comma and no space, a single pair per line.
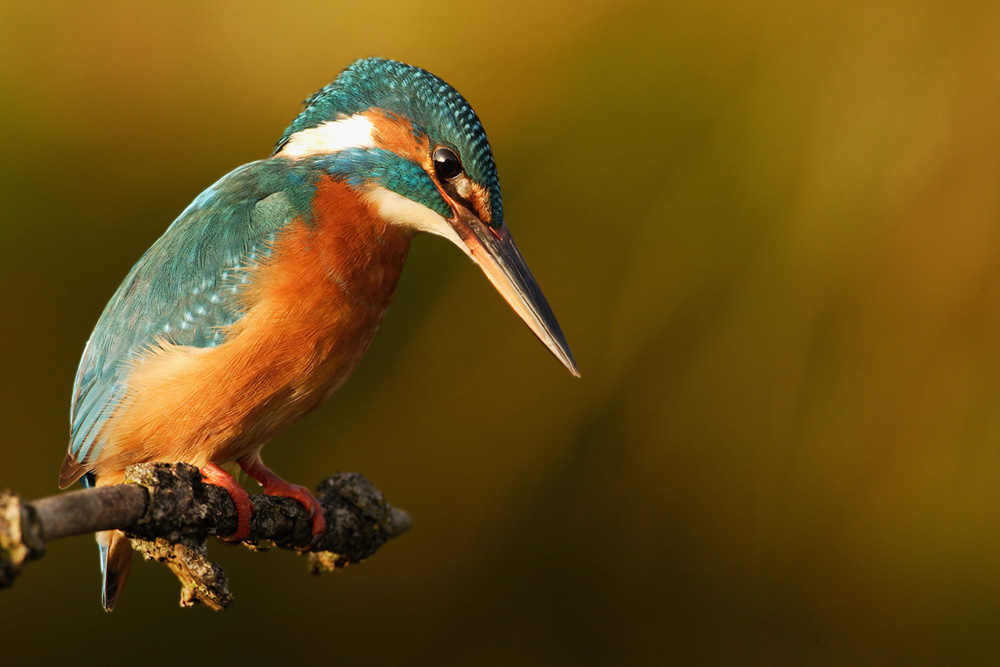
182,289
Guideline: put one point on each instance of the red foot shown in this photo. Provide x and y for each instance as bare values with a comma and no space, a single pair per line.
275,486
213,474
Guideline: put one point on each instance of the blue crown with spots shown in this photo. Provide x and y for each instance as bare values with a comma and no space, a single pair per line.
414,94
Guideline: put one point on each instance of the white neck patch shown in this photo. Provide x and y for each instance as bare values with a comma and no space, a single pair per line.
398,210
330,137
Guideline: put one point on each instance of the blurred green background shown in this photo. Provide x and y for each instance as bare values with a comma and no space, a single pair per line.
770,231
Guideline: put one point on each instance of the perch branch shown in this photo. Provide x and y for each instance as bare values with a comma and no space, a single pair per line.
169,511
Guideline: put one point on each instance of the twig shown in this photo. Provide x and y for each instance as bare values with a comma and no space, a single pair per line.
169,512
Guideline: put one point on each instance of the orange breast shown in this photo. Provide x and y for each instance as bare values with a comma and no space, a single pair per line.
311,312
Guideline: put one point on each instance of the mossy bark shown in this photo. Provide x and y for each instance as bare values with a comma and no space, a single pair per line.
169,512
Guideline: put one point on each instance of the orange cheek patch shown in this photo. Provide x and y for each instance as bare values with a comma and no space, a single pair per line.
397,135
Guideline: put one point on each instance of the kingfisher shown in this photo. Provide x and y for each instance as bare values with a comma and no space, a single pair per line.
262,297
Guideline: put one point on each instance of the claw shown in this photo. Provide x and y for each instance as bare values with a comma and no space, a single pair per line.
215,475
275,486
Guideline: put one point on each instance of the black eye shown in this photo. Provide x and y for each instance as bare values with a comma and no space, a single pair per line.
446,163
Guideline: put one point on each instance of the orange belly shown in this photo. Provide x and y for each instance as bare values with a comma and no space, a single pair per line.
312,310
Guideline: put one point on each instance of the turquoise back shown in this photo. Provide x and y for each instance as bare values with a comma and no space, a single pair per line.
182,289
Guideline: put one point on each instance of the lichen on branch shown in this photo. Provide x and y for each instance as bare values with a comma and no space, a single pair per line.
169,512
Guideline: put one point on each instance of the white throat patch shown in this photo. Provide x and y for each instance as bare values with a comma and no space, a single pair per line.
398,210
330,137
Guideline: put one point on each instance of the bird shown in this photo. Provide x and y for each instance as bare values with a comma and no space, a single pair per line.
263,295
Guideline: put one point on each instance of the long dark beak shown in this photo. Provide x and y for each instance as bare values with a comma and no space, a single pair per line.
495,253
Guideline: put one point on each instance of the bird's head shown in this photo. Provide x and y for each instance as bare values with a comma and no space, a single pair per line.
414,148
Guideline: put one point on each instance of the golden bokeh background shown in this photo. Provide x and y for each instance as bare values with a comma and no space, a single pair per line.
770,231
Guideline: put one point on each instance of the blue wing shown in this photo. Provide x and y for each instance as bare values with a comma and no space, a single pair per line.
181,290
